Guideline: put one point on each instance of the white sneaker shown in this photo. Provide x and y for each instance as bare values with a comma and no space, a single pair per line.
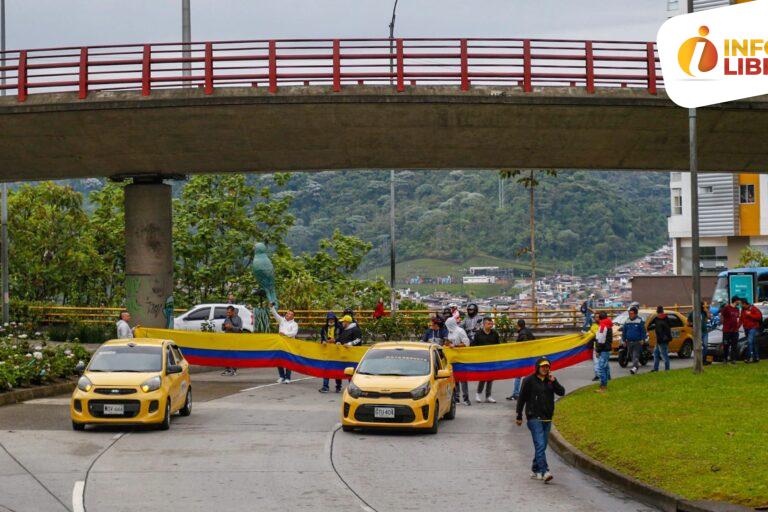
490,400
478,398
280,380
547,477
286,381
633,370
535,476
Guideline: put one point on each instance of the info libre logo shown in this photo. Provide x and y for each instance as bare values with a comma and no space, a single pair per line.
715,56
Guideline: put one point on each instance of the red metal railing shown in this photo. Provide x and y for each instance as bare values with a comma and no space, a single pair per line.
336,63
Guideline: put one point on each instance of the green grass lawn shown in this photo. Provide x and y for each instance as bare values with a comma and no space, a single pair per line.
699,436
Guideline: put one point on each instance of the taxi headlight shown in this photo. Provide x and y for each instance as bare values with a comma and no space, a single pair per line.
84,384
421,391
354,391
151,384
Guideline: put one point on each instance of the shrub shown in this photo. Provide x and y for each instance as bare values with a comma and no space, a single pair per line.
23,364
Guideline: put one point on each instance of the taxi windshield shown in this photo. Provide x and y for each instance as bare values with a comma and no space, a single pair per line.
397,362
127,359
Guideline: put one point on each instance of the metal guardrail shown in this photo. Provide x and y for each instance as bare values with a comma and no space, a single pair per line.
336,63
314,318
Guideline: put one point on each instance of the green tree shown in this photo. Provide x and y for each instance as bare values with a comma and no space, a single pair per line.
752,257
108,225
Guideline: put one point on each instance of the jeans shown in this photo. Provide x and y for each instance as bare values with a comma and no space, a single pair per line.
485,384
634,352
661,350
464,391
752,351
604,368
730,346
587,322
284,373
516,389
326,382
596,362
540,434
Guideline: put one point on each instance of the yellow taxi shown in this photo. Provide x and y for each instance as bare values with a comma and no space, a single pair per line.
682,333
132,381
400,385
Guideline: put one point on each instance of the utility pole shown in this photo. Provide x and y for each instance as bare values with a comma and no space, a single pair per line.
392,254
4,207
186,38
698,359
533,250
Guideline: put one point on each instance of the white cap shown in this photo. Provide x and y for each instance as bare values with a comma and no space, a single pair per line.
453,305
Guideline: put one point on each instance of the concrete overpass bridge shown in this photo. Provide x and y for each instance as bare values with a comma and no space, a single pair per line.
151,112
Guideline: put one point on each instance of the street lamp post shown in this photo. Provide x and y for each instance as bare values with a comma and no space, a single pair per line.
392,255
186,38
4,207
698,349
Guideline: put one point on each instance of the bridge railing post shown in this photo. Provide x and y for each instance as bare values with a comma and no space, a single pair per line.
527,87
146,70
590,66
400,66
83,76
21,81
209,68
272,66
650,51
336,65
464,66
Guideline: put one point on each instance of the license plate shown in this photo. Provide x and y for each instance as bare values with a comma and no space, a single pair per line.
384,412
114,409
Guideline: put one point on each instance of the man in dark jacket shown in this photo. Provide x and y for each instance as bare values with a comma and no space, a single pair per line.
473,323
232,324
436,332
663,337
486,336
328,334
523,334
351,335
537,398
633,335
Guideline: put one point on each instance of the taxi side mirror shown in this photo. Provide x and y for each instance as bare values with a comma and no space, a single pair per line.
444,374
80,367
349,371
173,368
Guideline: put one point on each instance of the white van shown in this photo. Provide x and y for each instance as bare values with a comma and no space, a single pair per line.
193,319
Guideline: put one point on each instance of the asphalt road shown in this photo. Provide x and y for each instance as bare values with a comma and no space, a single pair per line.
252,444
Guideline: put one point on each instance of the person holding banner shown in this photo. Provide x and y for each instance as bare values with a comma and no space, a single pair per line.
328,334
287,326
232,324
486,336
457,338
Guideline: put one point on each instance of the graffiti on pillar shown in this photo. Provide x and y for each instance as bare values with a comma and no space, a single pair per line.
168,312
264,272
132,285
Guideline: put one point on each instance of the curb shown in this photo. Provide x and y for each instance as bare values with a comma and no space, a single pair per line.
648,494
21,395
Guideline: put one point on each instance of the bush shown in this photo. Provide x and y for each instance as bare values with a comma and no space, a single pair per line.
22,364
81,332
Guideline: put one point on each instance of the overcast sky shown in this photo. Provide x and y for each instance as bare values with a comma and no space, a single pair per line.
46,23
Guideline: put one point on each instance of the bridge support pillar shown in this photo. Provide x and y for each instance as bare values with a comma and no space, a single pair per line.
148,251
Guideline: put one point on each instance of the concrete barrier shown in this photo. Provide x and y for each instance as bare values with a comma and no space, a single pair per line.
21,395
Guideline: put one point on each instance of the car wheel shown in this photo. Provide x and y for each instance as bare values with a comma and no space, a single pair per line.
166,424
346,428
451,412
79,427
686,350
435,419
187,409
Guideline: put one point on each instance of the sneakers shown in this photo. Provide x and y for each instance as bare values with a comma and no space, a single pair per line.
536,476
490,400
324,390
511,397
338,390
467,402
229,372
633,370
478,398
595,378
547,477
286,381
280,380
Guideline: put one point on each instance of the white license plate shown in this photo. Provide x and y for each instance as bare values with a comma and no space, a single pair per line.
384,412
114,409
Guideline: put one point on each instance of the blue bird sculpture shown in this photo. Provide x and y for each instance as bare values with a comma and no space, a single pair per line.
264,272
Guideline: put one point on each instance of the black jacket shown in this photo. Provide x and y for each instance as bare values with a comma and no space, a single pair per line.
336,332
538,398
352,335
481,338
663,329
525,334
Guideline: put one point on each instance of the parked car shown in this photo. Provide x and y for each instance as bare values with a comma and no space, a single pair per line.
682,334
213,314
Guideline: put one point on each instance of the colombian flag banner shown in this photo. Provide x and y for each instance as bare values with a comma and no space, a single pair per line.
493,362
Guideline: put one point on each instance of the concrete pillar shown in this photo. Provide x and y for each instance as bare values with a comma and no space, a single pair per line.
148,252
735,245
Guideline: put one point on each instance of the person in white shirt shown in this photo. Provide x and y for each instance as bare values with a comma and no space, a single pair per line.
457,338
124,330
287,326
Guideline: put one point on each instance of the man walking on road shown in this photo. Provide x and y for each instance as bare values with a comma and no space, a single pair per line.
537,397
634,335
663,337
232,324
729,319
486,336
523,334
287,326
751,320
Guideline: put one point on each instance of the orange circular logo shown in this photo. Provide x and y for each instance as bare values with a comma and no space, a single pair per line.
688,49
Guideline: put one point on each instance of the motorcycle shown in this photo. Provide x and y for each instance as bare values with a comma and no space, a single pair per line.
624,356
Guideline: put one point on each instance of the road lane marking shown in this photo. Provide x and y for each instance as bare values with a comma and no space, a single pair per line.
77,496
273,384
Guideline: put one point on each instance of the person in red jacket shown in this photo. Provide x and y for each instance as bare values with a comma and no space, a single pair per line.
731,322
379,311
751,320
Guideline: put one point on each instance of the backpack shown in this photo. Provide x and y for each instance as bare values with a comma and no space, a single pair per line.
584,308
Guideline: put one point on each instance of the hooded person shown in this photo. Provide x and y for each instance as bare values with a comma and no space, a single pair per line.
473,322
663,330
351,335
436,332
457,338
328,334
